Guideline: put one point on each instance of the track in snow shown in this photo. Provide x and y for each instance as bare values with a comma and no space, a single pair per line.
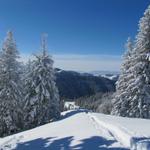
103,131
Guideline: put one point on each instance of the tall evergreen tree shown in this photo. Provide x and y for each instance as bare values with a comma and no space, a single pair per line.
42,99
10,88
138,89
120,101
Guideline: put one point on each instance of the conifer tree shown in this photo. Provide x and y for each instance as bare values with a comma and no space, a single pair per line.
10,88
42,98
120,100
138,89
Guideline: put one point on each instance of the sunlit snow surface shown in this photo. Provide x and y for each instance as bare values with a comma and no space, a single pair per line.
81,130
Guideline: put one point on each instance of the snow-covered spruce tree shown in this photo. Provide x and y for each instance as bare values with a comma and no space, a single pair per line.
10,88
138,90
42,98
121,103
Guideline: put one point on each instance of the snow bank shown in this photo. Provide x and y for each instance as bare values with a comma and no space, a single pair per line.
131,132
140,143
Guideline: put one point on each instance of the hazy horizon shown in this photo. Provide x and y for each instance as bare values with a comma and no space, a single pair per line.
82,63
82,35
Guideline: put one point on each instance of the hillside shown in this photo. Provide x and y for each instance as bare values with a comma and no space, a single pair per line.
73,85
82,130
99,102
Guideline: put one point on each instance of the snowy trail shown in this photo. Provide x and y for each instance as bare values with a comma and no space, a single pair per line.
131,132
75,131
119,133
101,129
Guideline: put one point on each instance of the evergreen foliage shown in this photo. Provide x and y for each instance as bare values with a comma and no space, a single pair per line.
136,100
10,88
42,99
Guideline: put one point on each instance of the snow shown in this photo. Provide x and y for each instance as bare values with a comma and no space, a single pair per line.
76,130
70,105
131,132
110,77
148,56
83,130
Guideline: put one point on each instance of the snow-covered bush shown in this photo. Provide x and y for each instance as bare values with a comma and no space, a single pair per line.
105,107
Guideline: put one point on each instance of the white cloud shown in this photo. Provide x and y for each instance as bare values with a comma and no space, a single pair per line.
83,62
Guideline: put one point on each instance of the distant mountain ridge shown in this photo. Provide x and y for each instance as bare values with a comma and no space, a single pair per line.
72,85
100,72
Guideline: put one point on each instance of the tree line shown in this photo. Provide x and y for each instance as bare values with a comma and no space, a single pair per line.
28,93
132,98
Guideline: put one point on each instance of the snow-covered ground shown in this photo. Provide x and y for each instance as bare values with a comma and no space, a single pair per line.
82,130
131,132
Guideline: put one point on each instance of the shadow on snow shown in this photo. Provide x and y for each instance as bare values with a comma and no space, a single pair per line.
92,143
71,113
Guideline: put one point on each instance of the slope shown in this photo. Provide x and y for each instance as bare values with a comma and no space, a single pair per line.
75,131
72,85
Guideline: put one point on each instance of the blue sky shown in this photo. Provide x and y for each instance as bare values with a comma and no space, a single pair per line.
78,30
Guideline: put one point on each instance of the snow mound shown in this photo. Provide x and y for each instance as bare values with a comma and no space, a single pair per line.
140,143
